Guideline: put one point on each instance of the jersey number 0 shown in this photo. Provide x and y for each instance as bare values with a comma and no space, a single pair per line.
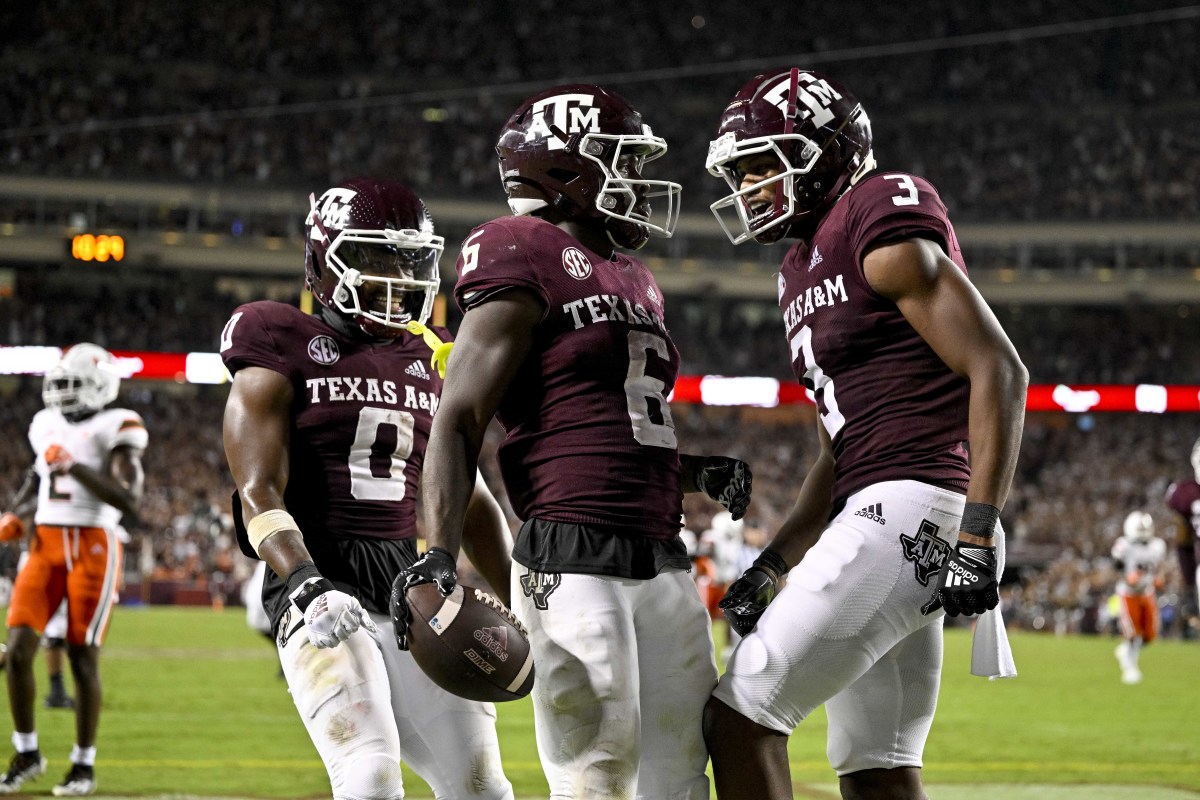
366,484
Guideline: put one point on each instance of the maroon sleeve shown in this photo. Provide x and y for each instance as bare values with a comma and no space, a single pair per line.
892,206
1182,497
248,338
492,259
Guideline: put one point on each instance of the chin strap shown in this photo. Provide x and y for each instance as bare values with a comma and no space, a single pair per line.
441,350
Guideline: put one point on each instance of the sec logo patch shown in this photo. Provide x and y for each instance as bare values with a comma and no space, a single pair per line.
323,350
576,263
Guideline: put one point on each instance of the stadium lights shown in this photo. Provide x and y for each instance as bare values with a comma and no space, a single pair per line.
710,390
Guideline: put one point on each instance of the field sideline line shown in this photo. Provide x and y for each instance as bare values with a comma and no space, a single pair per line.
930,766
1060,792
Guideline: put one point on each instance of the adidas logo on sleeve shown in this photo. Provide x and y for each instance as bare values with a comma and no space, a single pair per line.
417,370
873,512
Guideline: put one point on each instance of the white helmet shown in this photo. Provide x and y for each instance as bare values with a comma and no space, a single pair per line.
725,529
1139,526
1196,459
85,379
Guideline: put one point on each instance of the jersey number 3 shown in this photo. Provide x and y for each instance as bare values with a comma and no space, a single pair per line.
818,382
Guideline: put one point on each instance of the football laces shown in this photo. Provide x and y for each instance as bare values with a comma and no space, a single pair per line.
493,602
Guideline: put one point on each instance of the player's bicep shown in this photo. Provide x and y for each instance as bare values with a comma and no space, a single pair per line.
492,343
256,433
939,302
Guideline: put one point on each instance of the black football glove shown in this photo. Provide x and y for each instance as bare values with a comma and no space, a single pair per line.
967,583
726,480
749,596
436,566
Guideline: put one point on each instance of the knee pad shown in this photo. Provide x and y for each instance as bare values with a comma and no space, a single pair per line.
370,776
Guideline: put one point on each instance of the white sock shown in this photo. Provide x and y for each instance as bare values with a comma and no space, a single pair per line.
84,755
1135,647
1123,654
25,742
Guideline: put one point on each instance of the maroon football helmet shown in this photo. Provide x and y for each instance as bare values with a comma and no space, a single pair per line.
372,256
821,136
580,150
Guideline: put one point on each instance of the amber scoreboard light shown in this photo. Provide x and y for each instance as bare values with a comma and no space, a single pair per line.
97,247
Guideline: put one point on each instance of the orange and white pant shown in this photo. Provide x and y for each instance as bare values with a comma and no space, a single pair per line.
1139,617
81,564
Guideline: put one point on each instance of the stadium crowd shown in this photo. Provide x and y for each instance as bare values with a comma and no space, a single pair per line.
1027,111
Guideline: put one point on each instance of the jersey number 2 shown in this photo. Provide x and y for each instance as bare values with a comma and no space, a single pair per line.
366,484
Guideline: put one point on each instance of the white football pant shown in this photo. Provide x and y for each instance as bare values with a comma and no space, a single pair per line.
847,631
256,615
624,669
367,705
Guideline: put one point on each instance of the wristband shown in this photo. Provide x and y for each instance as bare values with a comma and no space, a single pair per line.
305,584
980,519
772,561
267,523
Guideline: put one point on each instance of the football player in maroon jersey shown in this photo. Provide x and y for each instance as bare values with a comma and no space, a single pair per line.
1183,497
563,338
325,432
909,368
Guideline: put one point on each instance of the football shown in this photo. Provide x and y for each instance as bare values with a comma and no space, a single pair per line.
469,643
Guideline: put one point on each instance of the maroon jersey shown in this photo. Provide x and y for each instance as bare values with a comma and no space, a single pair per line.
361,415
590,437
893,409
1184,499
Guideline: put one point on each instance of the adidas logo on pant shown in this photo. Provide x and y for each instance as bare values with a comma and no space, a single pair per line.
873,512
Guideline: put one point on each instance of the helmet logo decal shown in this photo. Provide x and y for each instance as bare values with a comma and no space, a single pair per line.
334,209
323,350
562,114
577,265
813,93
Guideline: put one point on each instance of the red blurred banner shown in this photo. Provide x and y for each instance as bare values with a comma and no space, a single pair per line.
705,389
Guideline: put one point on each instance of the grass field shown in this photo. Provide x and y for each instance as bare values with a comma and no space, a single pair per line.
193,707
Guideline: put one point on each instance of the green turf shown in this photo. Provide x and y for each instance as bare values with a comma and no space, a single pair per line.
193,706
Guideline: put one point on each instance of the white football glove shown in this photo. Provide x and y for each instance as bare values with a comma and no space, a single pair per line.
330,616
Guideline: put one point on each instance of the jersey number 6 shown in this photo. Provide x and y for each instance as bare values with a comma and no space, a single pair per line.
642,389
